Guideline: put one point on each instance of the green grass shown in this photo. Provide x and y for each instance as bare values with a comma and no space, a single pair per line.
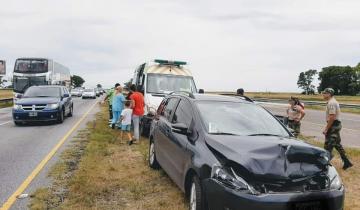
6,93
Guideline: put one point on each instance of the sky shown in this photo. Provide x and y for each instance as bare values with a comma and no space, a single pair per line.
259,45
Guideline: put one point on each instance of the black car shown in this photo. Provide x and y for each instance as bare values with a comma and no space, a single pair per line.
43,103
229,153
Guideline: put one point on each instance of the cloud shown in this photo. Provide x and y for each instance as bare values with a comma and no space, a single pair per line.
230,44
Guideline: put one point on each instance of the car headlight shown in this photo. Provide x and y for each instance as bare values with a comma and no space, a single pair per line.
231,180
17,106
53,106
335,180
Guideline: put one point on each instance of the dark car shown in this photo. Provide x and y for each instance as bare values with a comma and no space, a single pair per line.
43,103
229,153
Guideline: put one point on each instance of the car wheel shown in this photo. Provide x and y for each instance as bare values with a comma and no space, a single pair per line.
61,116
71,111
153,163
17,123
196,200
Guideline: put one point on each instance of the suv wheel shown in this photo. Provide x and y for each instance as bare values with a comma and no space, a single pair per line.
153,163
61,116
71,111
196,200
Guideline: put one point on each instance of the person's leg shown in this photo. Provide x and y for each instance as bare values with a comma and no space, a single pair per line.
329,145
136,121
337,144
296,128
115,118
110,112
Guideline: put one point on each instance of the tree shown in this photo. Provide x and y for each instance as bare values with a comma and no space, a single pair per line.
305,81
77,81
343,79
99,86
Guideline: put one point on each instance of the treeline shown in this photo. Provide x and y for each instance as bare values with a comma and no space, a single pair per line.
345,80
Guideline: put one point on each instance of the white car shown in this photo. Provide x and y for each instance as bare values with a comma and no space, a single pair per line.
76,92
89,93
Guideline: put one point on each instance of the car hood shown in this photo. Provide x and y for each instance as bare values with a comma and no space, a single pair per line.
271,157
31,101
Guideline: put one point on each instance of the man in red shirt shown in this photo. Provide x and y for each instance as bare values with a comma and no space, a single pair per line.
137,104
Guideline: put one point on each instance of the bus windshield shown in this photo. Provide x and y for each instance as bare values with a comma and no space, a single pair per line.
163,83
22,83
31,66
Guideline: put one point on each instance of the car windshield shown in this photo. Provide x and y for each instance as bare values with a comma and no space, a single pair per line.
42,92
162,83
235,118
31,66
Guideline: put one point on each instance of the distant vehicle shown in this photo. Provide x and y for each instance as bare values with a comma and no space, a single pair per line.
39,71
76,92
43,103
229,153
157,79
2,68
97,92
89,93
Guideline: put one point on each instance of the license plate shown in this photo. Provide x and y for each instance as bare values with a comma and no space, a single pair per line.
33,114
315,205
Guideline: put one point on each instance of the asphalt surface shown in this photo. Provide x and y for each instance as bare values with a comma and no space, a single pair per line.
23,147
314,122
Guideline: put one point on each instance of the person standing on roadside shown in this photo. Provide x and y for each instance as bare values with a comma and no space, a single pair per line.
333,127
240,92
137,104
117,106
109,97
295,113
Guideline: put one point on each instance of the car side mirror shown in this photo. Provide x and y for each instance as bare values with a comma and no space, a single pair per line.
201,91
19,96
66,95
181,128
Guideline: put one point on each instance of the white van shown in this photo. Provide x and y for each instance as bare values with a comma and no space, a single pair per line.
157,79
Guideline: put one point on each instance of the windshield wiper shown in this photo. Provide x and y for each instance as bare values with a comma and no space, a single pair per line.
224,133
265,134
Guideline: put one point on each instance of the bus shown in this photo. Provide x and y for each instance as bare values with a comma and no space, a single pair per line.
39,71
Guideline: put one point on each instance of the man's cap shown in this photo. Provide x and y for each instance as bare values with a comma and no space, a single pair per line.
329,90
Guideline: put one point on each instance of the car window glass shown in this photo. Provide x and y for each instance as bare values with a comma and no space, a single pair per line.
183,113
161,109
170,107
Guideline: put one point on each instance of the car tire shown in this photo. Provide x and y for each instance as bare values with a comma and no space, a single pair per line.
71,111
61,116
17,123
196,197
153,163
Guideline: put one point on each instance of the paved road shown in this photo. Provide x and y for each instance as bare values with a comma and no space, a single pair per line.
314,123
22,148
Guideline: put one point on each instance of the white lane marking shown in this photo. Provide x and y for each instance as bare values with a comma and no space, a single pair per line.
5,123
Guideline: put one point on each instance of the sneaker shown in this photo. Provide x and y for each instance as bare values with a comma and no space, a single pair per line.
130,142
113,126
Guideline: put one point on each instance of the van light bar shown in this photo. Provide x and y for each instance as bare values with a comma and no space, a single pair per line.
167,62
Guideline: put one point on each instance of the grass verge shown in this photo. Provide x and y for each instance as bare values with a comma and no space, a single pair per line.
109,175
99,171
6,93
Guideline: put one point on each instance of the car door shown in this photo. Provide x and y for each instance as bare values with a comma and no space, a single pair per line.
65,100
178,142
162,136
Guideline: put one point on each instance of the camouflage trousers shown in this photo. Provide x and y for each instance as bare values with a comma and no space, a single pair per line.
295,126
333,140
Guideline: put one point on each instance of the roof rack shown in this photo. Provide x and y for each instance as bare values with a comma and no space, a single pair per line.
189,94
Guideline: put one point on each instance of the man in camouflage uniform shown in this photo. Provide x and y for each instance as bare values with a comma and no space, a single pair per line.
109,97
333,127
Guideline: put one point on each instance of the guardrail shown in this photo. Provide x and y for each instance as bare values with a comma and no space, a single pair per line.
283,101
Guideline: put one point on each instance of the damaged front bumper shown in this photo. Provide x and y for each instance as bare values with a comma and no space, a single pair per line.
220,197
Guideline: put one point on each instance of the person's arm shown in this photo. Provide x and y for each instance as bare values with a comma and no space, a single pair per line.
332,118
132,106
